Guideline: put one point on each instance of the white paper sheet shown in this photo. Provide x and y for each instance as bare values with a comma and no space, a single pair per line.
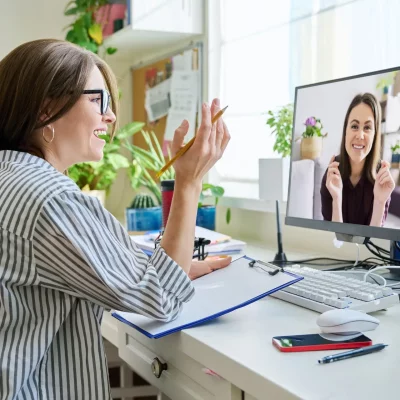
184,100
183,62
157,100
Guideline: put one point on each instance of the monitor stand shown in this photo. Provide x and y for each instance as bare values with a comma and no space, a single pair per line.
394,274
344,237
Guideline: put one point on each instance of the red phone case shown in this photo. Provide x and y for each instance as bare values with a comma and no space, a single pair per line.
330,346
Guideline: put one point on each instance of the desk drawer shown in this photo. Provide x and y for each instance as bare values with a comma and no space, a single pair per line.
183,380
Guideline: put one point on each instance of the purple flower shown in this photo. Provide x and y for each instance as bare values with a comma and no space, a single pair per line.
310,121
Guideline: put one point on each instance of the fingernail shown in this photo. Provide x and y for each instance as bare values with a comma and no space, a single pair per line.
205,106
184,123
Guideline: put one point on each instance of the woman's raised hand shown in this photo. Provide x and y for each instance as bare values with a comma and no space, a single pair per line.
384,184
208,147
334,180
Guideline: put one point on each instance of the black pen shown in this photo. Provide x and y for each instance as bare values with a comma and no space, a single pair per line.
352,353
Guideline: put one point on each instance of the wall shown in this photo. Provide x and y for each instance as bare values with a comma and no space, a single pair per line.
25,20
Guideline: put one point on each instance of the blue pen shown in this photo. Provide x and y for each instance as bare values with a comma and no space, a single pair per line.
352,353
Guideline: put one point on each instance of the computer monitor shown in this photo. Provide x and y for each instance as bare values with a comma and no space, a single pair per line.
344,173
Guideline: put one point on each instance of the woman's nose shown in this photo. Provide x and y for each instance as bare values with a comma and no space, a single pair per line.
109,117
360,134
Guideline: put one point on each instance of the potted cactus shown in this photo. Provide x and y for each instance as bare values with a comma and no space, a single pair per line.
143,214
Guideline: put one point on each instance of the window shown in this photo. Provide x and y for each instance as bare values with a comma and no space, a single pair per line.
259,51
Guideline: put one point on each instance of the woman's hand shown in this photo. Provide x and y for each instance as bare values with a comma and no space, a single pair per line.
334,180
384,184
210,264
208,147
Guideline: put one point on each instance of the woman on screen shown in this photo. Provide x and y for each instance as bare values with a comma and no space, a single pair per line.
357,186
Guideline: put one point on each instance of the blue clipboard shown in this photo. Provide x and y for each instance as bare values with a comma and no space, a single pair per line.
218,293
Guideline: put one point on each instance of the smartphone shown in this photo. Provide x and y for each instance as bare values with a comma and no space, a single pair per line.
324,341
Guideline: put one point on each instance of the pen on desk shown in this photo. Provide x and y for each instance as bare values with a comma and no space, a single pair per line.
352,353
187,146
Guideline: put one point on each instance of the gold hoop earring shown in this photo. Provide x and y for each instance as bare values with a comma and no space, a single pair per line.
52,136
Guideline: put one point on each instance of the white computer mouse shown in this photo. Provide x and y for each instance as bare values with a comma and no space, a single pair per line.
345,321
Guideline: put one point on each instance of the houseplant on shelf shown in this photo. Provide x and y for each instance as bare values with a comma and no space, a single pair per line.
311,139
274,172
146,162
85,30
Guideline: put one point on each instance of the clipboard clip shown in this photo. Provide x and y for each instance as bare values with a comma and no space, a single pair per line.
271,269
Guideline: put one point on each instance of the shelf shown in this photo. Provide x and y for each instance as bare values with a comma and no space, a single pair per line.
131,42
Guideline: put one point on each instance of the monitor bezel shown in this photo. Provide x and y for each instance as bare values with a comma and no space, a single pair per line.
337,227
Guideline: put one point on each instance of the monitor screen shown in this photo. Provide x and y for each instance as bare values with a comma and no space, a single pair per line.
344,174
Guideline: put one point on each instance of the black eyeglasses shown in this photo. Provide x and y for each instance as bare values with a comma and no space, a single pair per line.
105,98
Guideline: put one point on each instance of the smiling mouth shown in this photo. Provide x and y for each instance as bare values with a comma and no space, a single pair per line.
358,146
97,133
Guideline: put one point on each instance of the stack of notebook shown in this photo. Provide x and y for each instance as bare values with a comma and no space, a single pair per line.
220,243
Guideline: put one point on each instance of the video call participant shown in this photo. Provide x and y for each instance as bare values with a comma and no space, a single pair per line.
357,186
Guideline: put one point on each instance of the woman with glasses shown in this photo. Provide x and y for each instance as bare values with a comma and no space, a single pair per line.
63,257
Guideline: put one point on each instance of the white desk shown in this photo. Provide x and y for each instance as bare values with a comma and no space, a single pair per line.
238,347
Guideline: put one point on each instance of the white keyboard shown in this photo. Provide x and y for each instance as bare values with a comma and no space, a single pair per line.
322,291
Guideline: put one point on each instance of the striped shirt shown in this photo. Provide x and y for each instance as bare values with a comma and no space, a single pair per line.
63,260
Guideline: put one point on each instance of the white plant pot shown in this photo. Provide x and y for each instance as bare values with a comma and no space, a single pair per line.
100,194
273,178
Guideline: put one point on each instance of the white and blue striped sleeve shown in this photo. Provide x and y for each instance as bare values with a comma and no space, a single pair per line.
82,249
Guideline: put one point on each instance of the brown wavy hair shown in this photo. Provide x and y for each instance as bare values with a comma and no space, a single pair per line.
43,78
373,158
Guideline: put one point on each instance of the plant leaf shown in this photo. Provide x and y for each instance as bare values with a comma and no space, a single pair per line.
111,50
72,11
89,46
118,161
129,130
228,215
96,33
217,191
71,37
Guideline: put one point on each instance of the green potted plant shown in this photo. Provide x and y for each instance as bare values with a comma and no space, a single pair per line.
385,84
206,212
395,155
274,172
145,211
311,139
85,30
146,162
281,123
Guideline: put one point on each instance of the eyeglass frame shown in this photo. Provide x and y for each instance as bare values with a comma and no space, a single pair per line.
105,97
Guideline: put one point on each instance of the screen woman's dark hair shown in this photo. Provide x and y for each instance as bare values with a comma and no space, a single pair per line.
373,157
44,78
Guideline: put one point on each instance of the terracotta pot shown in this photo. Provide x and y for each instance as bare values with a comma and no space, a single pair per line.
311,148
